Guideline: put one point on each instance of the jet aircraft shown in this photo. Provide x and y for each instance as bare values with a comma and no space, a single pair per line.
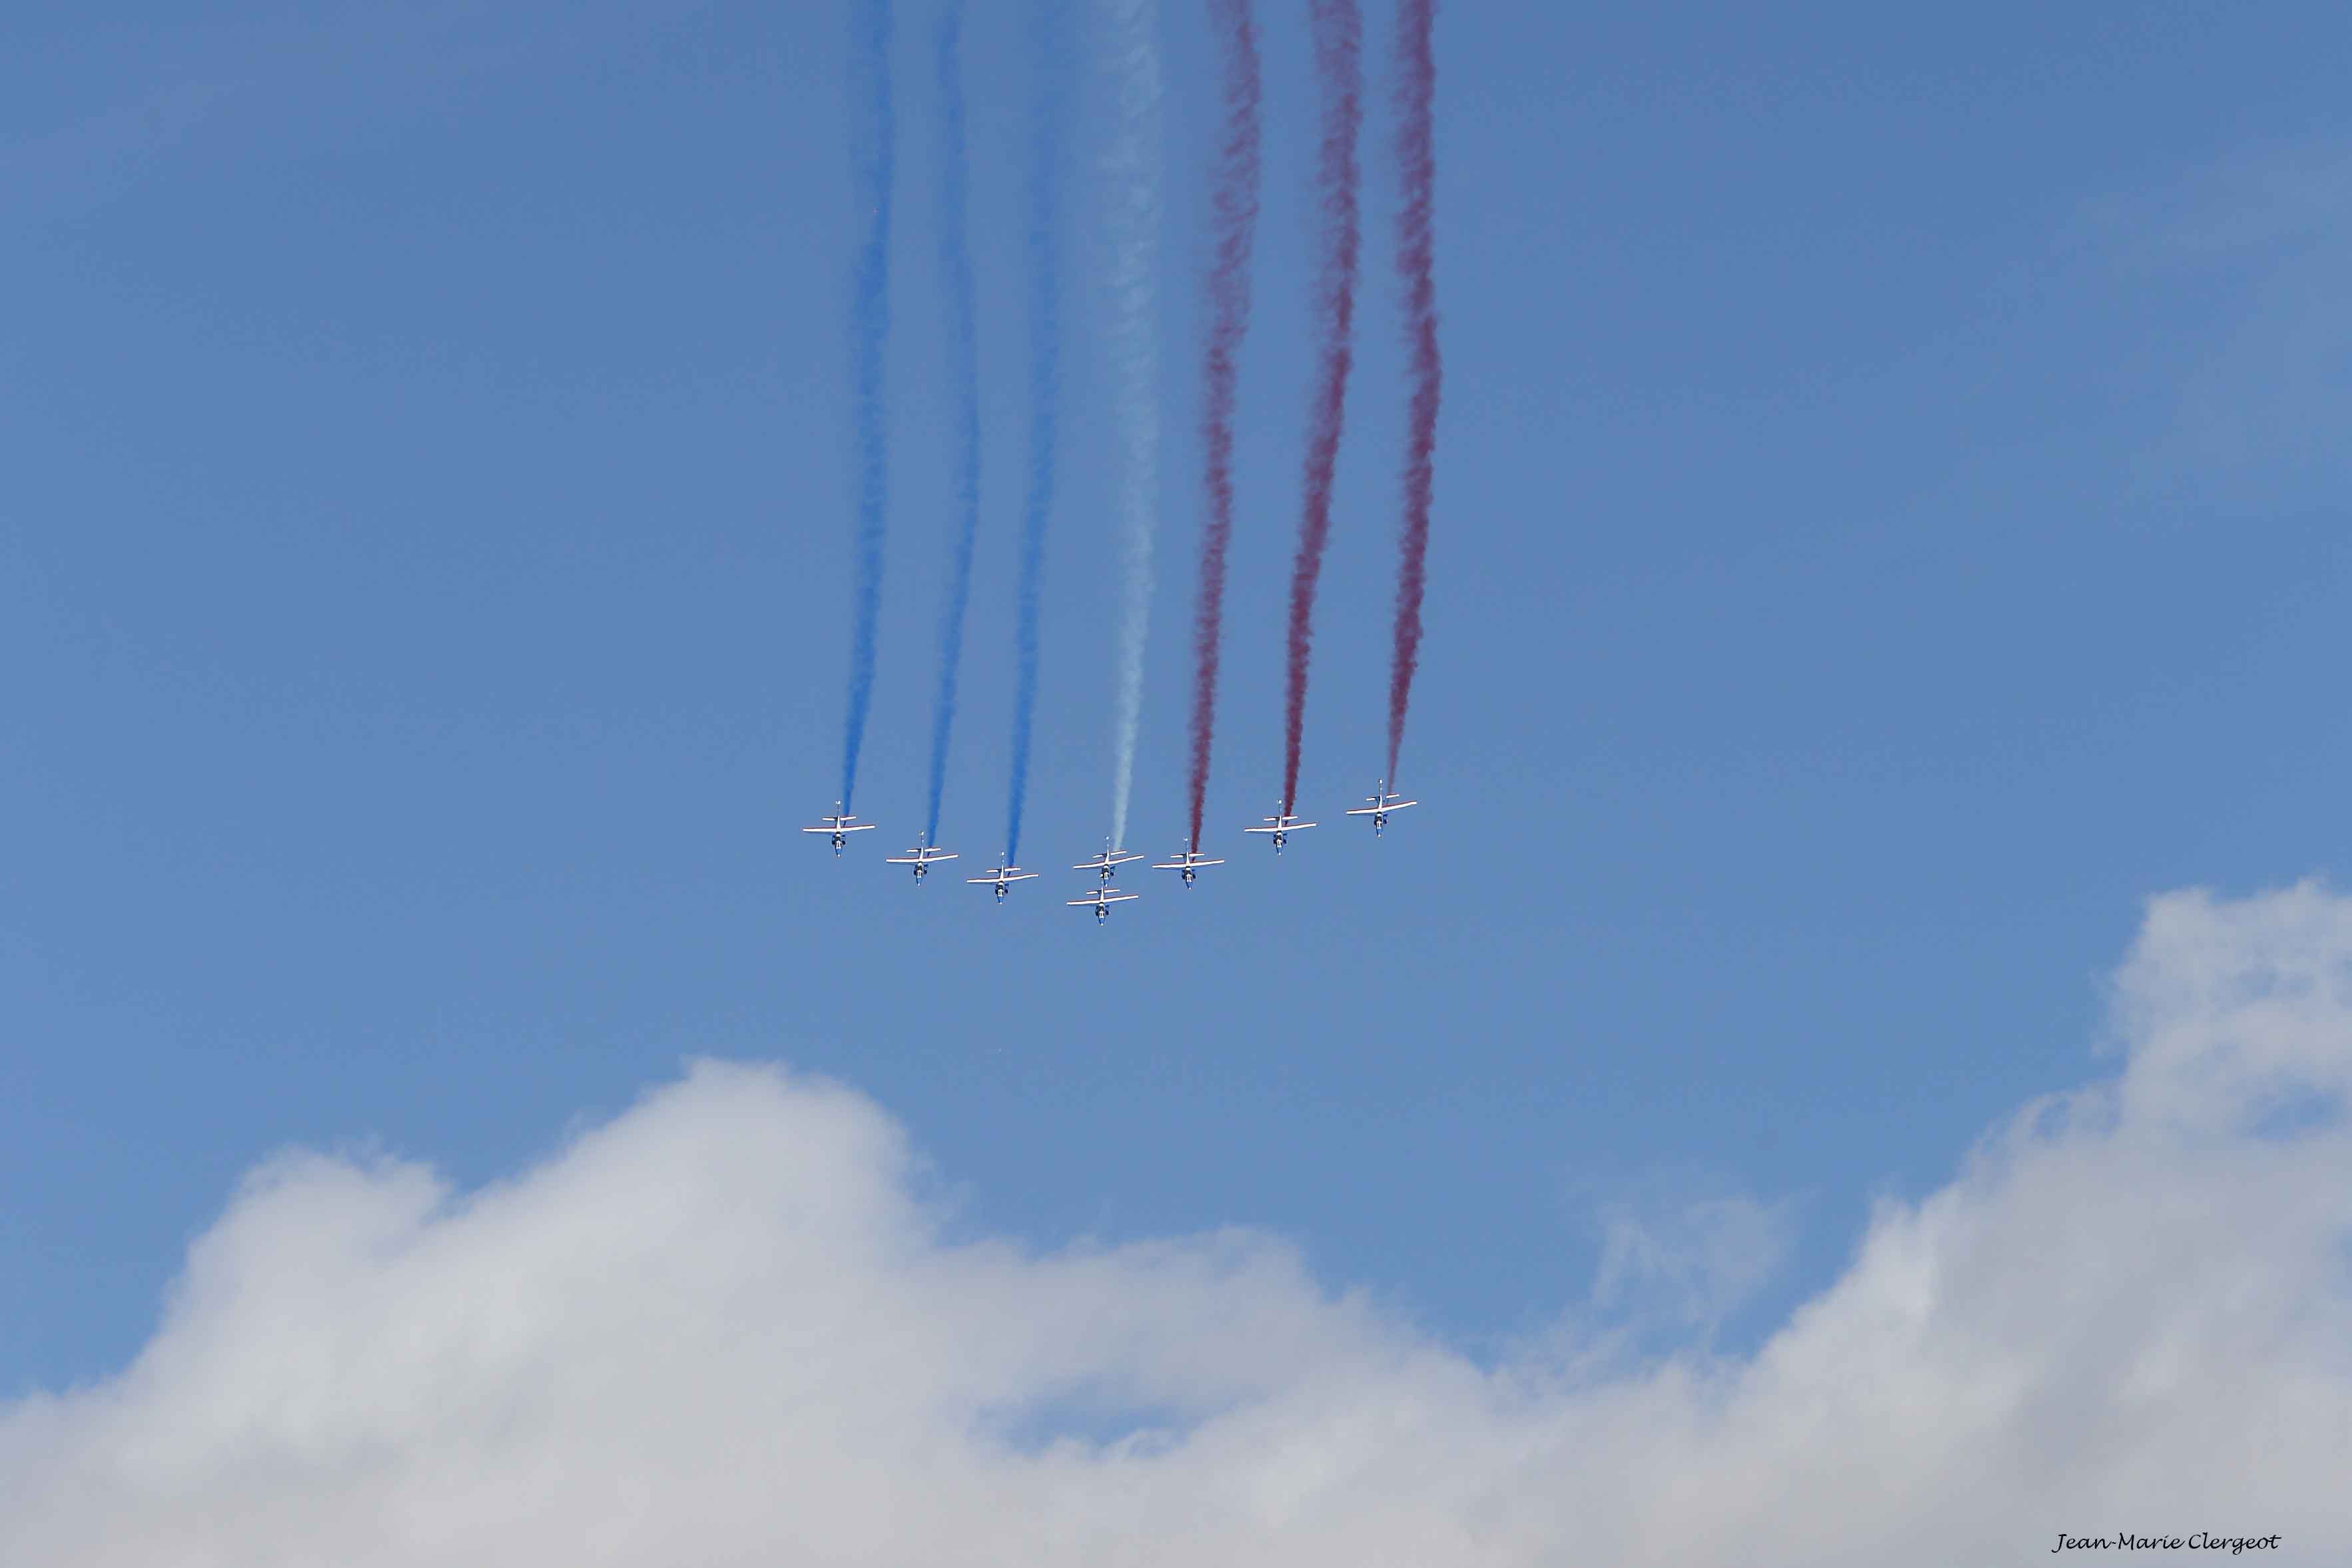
1002,877
1101,900
922,858
840,826
1382,803
1107,864
1282,827
1189,862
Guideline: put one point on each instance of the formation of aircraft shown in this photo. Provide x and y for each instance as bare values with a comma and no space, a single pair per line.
838,824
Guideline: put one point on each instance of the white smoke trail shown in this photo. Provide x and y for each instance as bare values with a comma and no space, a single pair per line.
1132,164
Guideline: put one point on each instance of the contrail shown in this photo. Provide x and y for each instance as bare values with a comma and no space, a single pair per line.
1235,205
1338,27
1051,86
873,138
1416,89
963,374
1133,162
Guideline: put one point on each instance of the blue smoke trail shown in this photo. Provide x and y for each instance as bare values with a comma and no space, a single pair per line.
963,375
1051,88
873,139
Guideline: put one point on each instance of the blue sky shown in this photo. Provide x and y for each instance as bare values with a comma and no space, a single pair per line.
1888,528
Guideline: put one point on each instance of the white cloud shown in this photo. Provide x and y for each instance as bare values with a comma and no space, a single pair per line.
1690,1264
723,1330
2236,270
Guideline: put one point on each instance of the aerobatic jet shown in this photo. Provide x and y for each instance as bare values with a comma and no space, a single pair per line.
1002,877
1189,863
1101,900
840,826
1107,864
1282,827
922,858
1380,804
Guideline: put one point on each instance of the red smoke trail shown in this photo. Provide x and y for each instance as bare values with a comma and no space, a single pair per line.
1416,88
1235,204
1339,29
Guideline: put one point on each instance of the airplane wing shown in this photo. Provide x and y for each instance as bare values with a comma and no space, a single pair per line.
1119,859
1022,876
1366,810
1295,826
1401,804
1266,829
1117,898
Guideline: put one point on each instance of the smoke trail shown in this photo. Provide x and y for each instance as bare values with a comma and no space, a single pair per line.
1234,203
1133,161
1337,27
1416,89
873,137
963,374
1050,86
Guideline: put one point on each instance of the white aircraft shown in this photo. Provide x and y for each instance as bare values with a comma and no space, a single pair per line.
1002,877
1189,863
1282,827
1382,803
1101,900
922,858
840,826
1107,864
